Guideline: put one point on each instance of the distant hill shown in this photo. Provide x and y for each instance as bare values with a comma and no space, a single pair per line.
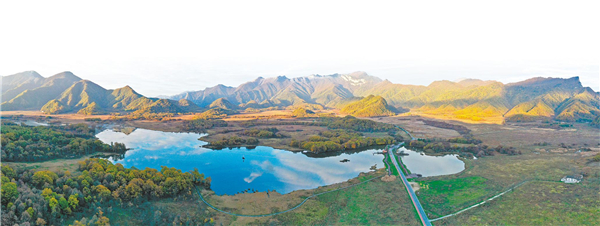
222,103
67,93
37,96
302,112
215,113
530,111
369,106
13,85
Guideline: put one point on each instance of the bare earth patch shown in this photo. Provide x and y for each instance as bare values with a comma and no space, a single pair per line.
415,186
388,178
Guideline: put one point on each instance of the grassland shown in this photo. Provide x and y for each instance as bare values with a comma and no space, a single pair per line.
440,196
418,128
543,200
537,203
375,202
489,176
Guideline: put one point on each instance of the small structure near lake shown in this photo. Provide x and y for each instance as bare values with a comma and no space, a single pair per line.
402,153
572,179
413,175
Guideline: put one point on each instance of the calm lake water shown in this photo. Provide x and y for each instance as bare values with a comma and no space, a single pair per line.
429,166
264,168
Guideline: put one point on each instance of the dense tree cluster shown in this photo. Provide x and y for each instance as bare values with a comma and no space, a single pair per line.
302,113
596,158
262,133
146,115
347,122
201,125
352,123
215,113
45,196
26,143
98,219
478,150
232,141
462,140
339,140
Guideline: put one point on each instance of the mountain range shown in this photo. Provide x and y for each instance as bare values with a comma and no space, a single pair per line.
355,93
67,93
469,99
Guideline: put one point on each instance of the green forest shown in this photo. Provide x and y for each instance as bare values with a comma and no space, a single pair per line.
360,125
339,140
22,143
55,198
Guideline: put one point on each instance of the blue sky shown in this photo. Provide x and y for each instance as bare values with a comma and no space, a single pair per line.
164,49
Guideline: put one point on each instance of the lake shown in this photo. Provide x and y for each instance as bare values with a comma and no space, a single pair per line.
262,168
428,166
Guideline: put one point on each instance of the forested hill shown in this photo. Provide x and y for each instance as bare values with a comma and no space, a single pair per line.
369,106
67,93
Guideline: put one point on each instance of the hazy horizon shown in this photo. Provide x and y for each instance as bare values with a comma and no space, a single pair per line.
141,87
166,49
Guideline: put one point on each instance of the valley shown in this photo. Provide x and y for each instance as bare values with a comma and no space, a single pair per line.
549,152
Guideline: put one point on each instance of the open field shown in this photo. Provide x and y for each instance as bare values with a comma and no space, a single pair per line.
418,128
537,203
524,136
520,135
453,117
489,176
543,200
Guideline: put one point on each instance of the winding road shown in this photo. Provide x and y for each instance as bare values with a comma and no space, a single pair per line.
410,135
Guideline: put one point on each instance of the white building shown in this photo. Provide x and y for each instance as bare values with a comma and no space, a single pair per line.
572,179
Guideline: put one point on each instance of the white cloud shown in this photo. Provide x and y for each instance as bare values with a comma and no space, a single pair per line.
252,177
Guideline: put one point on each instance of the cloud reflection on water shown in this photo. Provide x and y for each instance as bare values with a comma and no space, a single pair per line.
263,168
